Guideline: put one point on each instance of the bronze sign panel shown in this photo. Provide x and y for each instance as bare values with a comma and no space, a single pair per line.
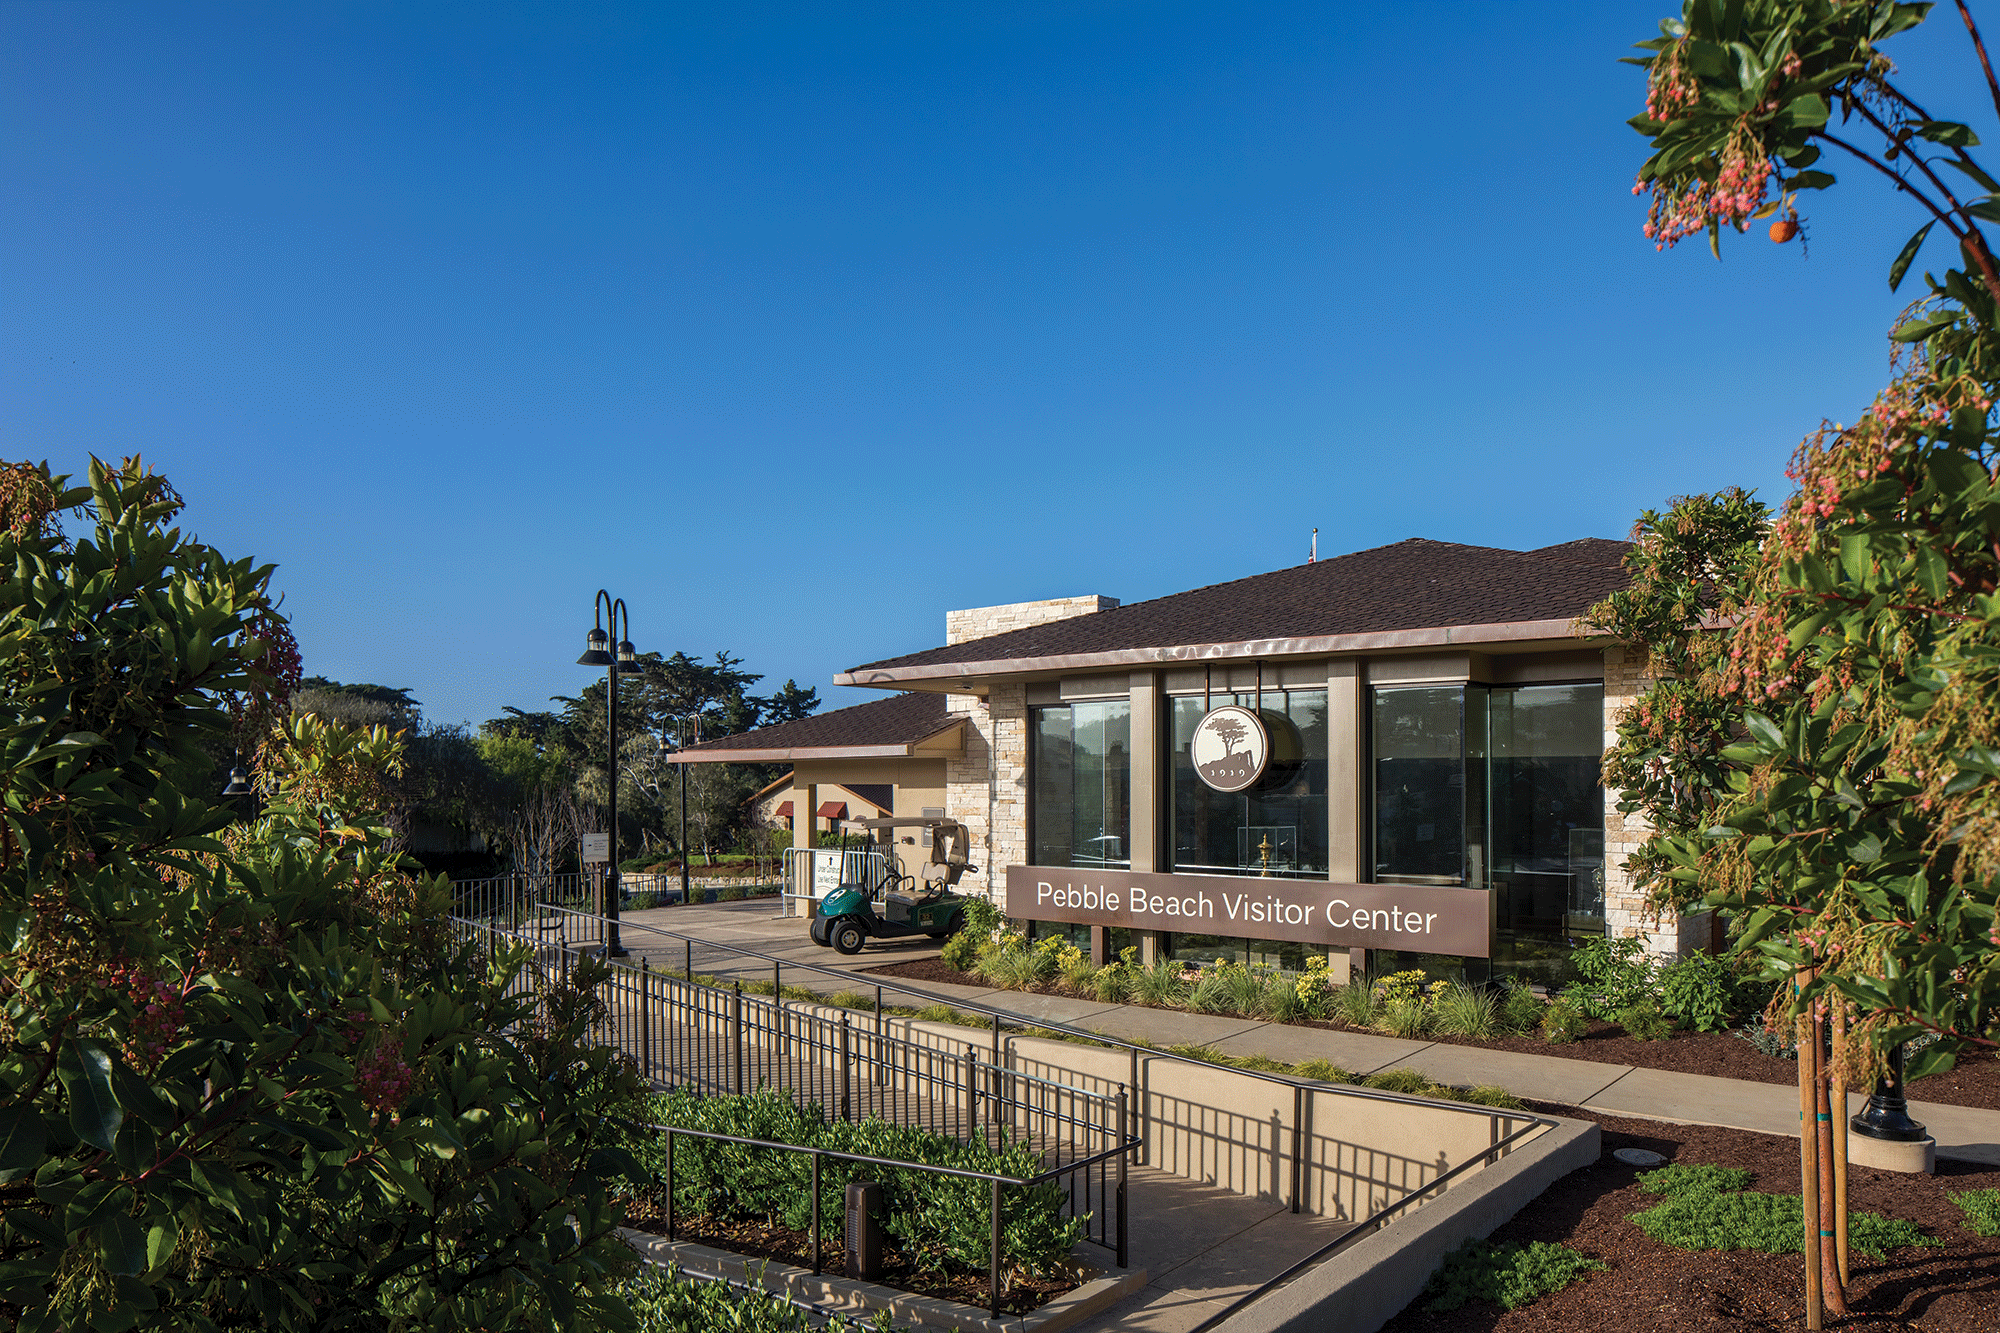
1421,917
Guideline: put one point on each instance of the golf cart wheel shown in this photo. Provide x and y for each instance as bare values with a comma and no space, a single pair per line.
848,937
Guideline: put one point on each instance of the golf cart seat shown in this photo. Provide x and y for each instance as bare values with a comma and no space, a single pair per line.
901,907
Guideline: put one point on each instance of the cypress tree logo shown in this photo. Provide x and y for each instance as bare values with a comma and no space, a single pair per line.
1230,748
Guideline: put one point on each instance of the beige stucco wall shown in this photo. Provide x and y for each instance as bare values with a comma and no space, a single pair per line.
919,783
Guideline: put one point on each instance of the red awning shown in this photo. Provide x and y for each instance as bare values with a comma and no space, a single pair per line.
833,810
783,812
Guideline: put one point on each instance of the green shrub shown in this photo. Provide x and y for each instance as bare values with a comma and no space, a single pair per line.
1111,984
1700,991
1404,1080
1243,988
1563,1021
1078,972
1324,1070
1280,1002
1159,984
1210,994
938,1219
1464,1011
1707,1208
1521,1010
1508,1274
1408,1019
1315,988
729,894
1777,1045
961,951
852,999
665,1300
1616,974
982,919
1354,1004
1981,1209
1488,1094
1646,1021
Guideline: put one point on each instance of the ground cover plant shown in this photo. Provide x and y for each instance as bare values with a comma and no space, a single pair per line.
664,1299
1508,1274
1713,1208
246,1077
1981,1209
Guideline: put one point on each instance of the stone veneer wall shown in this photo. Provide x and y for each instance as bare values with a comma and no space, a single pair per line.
986,785
983,622
1625,679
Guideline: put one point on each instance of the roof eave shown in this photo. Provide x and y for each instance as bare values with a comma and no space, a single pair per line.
1510,631
791,754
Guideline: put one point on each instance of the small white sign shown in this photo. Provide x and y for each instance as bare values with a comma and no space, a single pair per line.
826,871
596,848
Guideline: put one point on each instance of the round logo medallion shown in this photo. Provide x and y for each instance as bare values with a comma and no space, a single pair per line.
1230,748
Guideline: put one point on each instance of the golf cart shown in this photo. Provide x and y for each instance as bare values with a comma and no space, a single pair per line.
901,904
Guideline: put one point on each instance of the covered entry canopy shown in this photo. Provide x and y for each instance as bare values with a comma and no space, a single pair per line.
904,726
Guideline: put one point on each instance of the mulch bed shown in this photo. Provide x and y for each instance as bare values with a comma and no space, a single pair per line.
783,1245
1954,1288
1975,1081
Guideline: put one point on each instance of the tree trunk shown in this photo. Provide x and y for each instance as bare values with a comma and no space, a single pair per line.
1825,1243
1808,1156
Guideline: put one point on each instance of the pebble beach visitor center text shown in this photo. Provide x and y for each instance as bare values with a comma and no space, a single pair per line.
1391,757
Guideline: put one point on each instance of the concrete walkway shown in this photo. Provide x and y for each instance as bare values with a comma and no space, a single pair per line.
1965,1133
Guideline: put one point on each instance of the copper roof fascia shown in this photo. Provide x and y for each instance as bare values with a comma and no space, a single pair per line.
1511,631
791,754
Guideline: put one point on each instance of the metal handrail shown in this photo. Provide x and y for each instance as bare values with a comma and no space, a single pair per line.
1046,1025
1367,1226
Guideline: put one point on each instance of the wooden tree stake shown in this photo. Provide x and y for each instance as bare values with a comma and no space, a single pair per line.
1808,1159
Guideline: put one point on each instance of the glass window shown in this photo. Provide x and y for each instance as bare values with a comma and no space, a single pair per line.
1547,817
1080,761
1420,774
1277,828
1496,789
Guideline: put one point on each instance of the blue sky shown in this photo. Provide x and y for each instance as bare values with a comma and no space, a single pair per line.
797,326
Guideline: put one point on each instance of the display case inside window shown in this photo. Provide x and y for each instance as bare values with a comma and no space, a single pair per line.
1080,771
1278,826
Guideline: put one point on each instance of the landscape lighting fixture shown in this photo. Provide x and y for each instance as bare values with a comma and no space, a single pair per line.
628,660
595,654
239,782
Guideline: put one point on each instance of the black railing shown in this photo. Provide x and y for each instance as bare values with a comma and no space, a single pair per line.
564,931
998,1183
715,1039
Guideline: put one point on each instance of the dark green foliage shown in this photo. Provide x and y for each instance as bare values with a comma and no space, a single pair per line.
248,1079
1520,1010
1509,1274
1708,1208
1615,975
664,1300
1563,1021
1700,991
937,1219
1645,1020
1981,1209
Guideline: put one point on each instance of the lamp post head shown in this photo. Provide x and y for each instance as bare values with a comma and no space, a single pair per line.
595,654
239,782
628,660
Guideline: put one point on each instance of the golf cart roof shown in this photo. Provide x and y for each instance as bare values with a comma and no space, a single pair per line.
905,821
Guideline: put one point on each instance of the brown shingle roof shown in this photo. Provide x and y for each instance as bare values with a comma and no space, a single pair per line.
880,725
1411,585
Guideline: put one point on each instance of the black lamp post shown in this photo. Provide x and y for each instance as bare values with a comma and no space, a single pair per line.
1887,1114
684,807
626,663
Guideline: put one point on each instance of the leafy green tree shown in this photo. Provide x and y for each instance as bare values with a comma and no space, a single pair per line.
246,1079
1821,757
